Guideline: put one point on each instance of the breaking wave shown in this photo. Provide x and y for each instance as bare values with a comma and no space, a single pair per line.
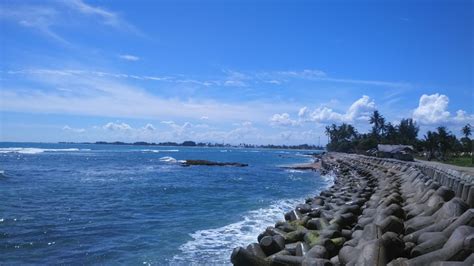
169,159
215,245
37,150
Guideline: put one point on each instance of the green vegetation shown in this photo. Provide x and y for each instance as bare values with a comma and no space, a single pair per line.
461,161
439,145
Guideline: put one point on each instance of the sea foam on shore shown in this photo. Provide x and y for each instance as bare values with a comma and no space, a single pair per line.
216,244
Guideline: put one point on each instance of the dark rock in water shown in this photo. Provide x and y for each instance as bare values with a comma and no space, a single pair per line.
211,163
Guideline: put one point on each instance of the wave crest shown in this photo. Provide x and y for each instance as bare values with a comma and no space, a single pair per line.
37,150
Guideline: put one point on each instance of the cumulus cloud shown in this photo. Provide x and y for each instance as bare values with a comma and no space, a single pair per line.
129,57
178,130
117,126
463,117
245,130
282,120
433,109
303,112
359,110
149,127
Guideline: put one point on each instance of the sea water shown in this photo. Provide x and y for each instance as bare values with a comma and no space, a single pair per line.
86,203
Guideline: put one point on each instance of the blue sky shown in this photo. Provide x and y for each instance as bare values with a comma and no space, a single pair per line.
230,71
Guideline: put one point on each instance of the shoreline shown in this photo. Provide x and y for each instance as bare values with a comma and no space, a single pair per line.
316,165
378,211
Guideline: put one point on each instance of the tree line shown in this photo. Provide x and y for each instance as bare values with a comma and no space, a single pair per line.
440,144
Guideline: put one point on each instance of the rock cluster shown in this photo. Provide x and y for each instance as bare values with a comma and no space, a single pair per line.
212,163
377,212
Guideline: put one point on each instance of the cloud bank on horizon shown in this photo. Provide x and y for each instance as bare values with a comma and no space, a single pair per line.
79,71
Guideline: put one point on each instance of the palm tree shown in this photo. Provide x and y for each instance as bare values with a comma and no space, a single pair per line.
431,143
408,131
379,124
444,137
466,130
466,141
391,133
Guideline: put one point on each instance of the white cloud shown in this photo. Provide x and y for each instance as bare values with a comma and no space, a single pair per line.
273,81
103,95
50,15
304,74
433,110
245,131
204,118
463,117
303,112
109,17
359,110
278,77
178,130
282,120
326,114
39,18
129,57
236,79
75,130
117,126
149,127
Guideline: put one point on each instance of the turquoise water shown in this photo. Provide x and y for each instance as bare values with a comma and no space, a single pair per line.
85,203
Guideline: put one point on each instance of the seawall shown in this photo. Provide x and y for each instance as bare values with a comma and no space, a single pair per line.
378,212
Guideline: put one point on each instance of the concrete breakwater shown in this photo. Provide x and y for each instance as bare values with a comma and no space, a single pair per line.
378,212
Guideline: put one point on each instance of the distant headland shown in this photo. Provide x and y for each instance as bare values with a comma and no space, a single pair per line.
190,143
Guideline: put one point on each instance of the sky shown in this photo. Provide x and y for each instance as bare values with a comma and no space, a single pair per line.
261,72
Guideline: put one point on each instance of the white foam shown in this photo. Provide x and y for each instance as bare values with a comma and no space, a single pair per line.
329,178
146,150
37,150
214,246
169,159
158,151
294,171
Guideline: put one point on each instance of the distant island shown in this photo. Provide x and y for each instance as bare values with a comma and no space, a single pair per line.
190,143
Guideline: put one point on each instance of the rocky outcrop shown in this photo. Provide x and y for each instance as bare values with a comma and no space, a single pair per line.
211,163
378,212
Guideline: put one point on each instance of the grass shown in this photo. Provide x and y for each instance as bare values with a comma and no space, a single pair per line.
461,161
464,161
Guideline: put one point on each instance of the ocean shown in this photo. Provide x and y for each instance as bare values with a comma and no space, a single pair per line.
88,204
